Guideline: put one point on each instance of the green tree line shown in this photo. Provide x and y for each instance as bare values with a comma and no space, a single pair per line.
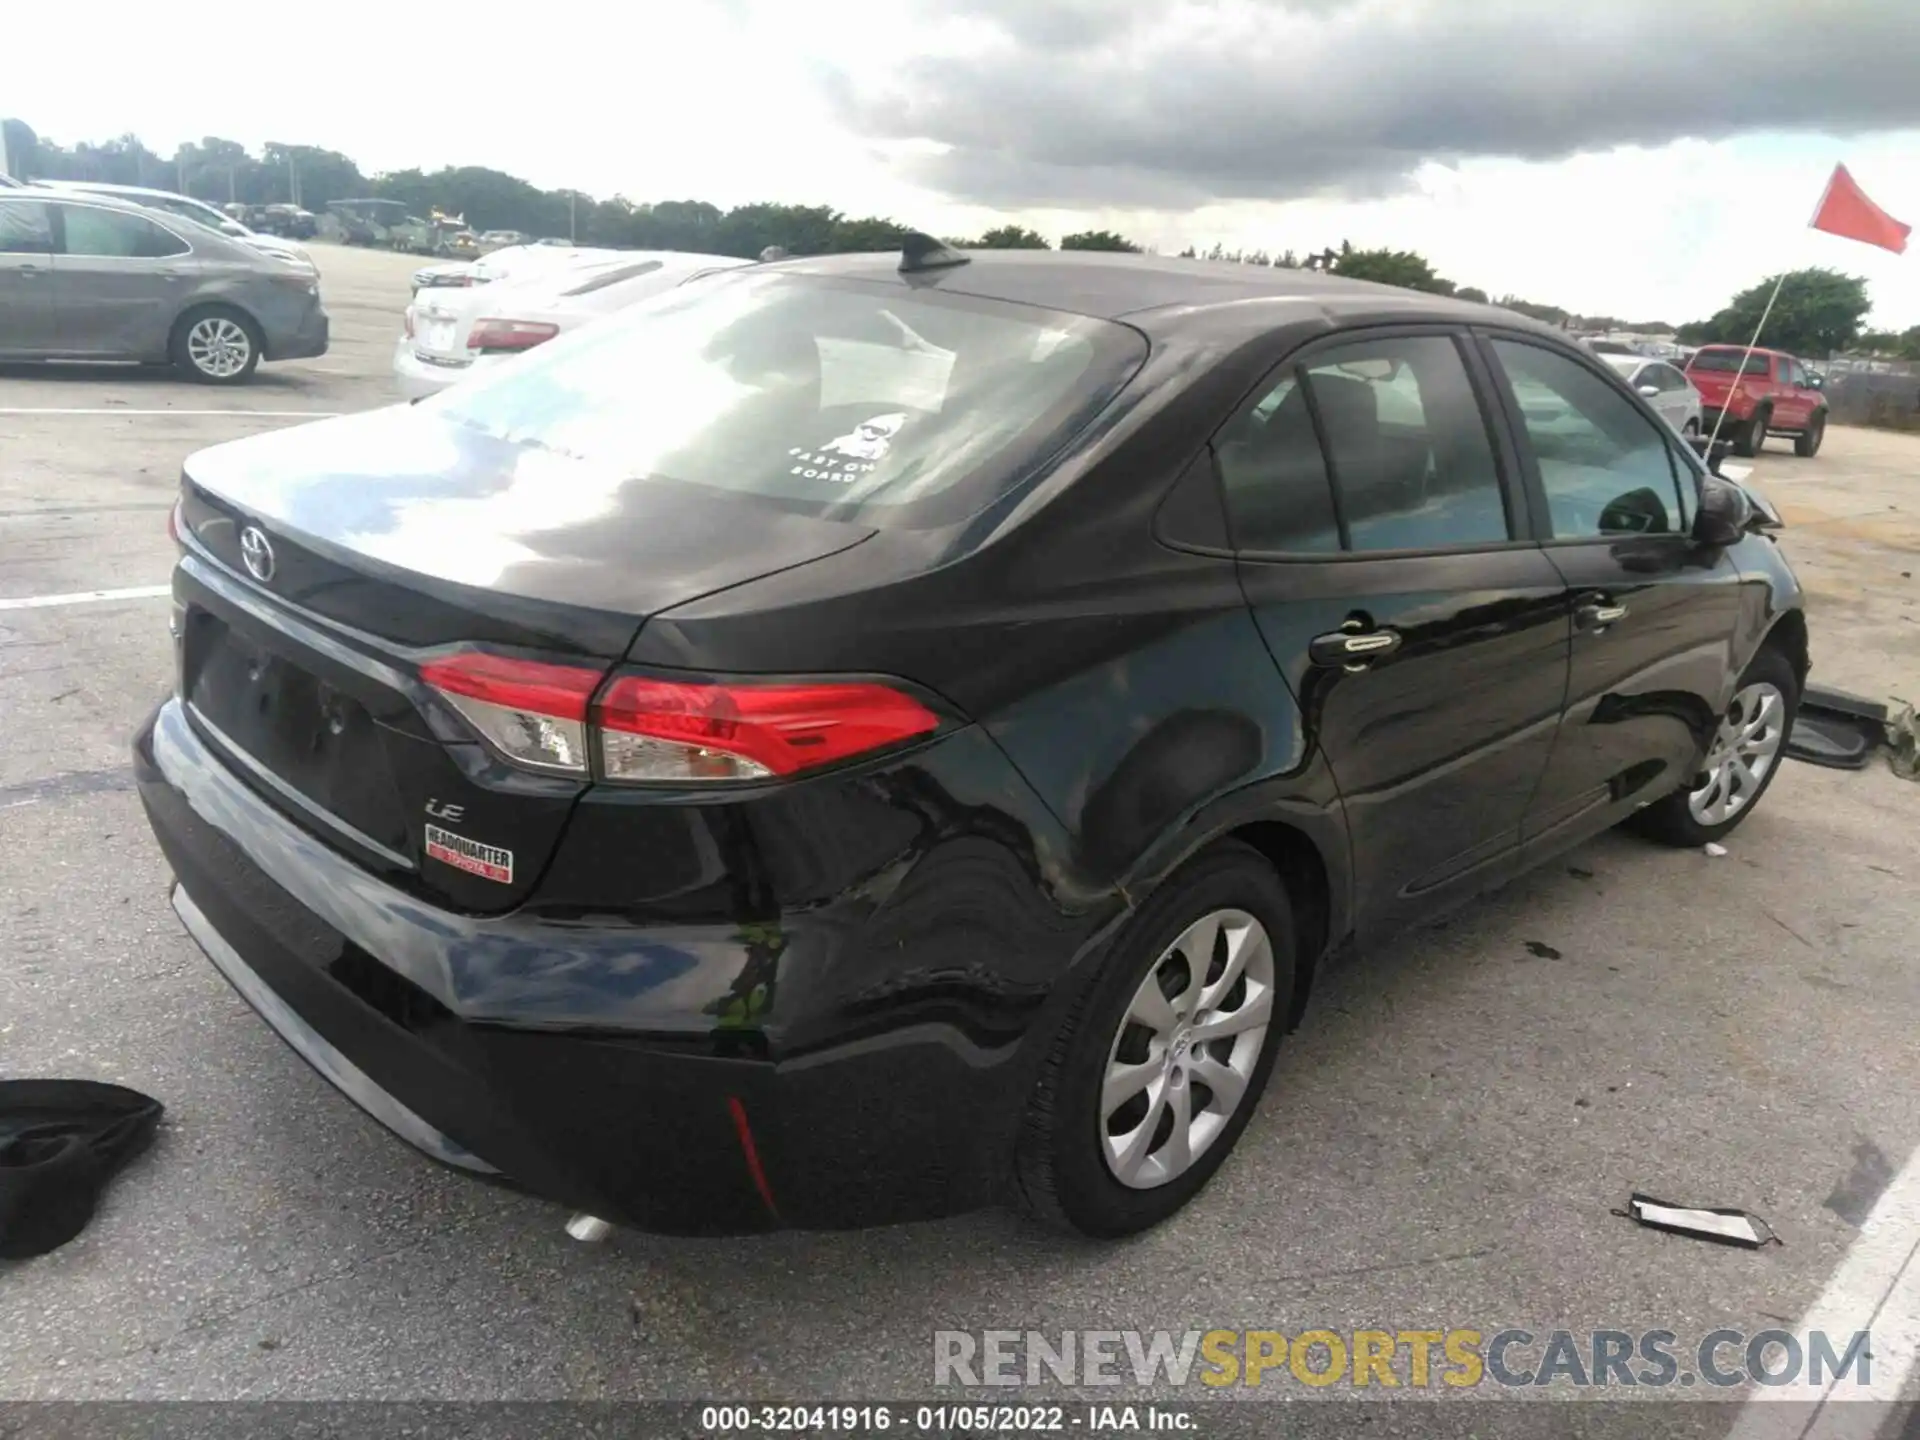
1818,312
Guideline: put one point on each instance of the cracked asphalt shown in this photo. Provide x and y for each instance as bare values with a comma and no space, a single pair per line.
1441,1145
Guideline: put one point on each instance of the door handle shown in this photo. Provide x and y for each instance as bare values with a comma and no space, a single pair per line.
1598,613
1352,650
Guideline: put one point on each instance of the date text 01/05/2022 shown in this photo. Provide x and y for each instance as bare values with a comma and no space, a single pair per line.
943,1419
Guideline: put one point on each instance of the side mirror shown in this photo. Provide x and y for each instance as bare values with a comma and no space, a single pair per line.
1719,451
1649,390
1816,382
1725,514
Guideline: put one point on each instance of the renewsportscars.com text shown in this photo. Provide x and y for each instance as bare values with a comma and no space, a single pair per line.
1401,1359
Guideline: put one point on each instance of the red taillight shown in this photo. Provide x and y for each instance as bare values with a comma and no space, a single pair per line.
532,712
496,335
408,322
675,731
652,731
173,523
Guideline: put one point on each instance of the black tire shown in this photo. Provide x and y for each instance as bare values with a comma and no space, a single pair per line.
1671,820
186,350
1062,1177
1753,435
1807,443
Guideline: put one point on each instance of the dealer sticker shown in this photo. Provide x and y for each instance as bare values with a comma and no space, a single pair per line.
489,862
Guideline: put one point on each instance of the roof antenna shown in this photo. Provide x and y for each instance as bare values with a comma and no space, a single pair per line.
922,252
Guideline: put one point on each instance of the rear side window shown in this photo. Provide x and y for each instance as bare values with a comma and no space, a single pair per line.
851,401
116,234
1606,468
1727,362
25,228
1377,445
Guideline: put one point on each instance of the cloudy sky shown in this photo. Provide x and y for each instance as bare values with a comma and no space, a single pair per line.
1635,157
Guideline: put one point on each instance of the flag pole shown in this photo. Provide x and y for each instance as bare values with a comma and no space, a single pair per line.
1741,373
1754,343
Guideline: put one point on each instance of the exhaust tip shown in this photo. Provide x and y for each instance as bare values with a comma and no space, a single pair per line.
588,1229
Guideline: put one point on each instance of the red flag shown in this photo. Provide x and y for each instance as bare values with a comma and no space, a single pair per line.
1846,210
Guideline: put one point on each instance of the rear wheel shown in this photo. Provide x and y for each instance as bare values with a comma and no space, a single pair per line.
1807,443
1741,760
1753,435
217,345
1156,1072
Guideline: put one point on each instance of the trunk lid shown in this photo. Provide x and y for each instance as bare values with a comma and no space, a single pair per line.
392,537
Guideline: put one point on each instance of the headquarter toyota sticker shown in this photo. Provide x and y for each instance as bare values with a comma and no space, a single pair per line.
489,862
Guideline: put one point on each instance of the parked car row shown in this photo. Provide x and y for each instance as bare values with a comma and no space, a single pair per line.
91,275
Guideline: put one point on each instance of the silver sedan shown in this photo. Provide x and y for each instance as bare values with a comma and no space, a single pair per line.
85,277
1664,387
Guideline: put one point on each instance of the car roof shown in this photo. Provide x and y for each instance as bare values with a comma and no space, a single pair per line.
1155,292
107,200
107,187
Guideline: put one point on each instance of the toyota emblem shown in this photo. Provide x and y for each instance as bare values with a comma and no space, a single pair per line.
256,553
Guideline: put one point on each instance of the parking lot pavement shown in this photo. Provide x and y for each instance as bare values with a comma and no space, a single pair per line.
1440,1147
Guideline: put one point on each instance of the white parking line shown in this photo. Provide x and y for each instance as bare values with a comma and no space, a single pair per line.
84,597
1877,1289
124,410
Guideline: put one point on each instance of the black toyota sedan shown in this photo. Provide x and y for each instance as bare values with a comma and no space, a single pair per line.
856,739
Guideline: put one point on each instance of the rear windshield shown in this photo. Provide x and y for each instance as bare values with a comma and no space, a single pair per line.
839,399
1727,362
611,275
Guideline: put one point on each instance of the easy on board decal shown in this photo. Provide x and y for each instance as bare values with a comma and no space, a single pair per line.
845,458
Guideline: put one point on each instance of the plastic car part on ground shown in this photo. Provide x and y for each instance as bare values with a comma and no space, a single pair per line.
1839,730
1721,1226
60,1142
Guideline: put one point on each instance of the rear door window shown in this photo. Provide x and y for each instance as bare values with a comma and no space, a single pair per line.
115,234
25,227
836,398
1375,445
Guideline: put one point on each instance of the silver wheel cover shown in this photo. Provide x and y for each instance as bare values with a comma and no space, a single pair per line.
1183,1057
1744,751
219,347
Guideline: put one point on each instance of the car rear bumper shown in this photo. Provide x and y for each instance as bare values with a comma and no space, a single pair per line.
474,1038
308,341
416,378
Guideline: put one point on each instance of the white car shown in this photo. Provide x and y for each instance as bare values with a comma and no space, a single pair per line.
188,208
513,262
1664,387
452,332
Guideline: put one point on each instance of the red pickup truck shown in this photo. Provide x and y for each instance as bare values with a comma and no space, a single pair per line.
1770,393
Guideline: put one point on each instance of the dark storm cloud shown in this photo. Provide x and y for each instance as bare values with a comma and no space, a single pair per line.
1161,103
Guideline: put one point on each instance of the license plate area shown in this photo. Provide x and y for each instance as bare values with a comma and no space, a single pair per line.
305,734
437,335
